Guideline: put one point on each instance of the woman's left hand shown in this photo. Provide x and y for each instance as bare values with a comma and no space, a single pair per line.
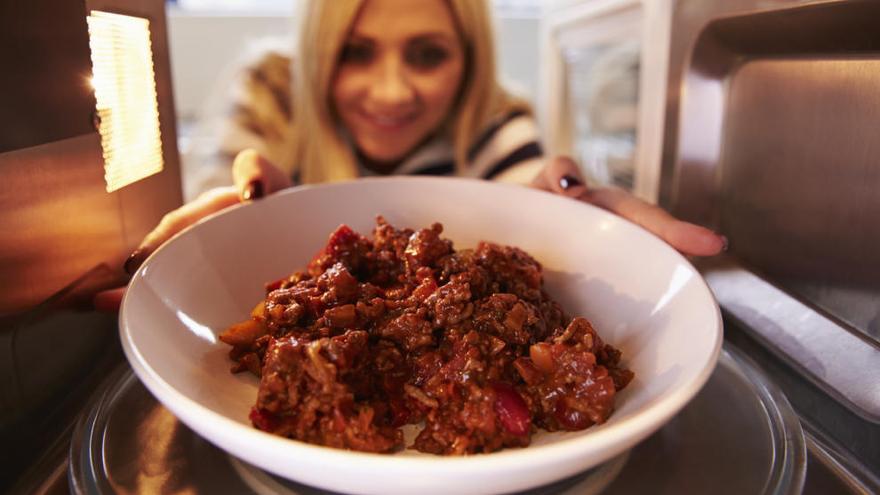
561,175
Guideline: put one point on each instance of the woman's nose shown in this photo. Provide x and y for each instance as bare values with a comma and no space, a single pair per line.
391,85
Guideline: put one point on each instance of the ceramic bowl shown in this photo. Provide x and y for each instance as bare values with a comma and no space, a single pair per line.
642,296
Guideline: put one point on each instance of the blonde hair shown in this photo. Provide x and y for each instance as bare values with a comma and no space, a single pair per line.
319,152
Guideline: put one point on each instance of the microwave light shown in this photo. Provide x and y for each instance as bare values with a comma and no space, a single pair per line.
125,91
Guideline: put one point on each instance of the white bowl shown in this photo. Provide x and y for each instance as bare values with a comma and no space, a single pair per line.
641,295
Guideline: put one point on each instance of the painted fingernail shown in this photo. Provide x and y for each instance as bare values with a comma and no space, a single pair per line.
725,243
134,261
568,181
253,190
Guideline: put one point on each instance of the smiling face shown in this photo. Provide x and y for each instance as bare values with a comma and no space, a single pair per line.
398,75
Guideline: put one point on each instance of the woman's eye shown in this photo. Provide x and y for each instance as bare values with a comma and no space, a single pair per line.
356,53
426,56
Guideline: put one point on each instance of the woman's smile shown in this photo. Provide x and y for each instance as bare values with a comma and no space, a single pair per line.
386,122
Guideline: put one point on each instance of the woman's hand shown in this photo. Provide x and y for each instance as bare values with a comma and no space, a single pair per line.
253,178
561,176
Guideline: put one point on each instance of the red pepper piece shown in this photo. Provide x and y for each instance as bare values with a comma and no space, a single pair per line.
512,411
263,419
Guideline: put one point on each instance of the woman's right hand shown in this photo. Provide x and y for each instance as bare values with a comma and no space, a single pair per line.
253,178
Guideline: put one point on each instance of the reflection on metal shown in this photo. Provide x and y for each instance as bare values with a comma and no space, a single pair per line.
816,345
125,89
772,140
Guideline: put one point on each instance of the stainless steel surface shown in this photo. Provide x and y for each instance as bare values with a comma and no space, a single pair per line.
739,435
770,137
821,349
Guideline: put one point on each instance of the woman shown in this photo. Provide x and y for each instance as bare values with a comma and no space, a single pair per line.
408,86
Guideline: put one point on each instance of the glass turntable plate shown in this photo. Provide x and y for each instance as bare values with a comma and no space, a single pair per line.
738,435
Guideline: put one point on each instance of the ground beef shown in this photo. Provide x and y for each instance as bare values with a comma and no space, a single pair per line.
402,329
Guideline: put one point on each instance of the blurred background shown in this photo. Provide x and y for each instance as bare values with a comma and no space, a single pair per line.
537,60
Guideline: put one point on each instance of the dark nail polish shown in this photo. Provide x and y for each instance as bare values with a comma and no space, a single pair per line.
134,261
568,181
253,190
